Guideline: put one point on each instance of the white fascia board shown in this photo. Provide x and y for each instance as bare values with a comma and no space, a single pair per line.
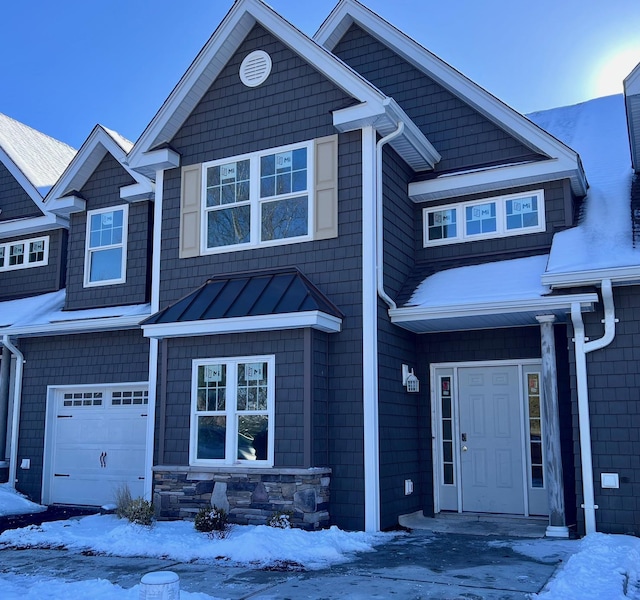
79,326
100,142
46,222
206,67
22,179
349,11
541,305
621,275
137,192
413,146
314,319
156,160
491,179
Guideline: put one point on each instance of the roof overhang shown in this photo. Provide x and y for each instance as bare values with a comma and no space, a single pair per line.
30,225
511,313
297,320
498,178
632,104
69,327
412,145
619,275
62,198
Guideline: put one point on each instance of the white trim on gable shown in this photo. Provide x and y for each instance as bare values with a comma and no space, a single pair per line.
61,199
380,111
348,12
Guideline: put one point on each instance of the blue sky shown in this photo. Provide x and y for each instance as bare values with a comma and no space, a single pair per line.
70,64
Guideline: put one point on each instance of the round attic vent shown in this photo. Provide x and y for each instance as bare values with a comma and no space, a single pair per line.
255,68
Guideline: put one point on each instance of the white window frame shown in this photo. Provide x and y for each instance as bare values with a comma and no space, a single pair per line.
88,251
501,219
231,413
27,263
255,202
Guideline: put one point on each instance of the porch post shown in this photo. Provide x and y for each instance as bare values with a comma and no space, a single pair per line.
551,429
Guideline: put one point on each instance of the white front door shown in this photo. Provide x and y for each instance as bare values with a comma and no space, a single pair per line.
487,438
97,444
491,458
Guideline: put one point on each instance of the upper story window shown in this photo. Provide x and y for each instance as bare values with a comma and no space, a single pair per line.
106,246
501,216
24,254
233,403
262,198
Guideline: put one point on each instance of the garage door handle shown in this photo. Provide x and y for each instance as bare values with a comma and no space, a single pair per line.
103,460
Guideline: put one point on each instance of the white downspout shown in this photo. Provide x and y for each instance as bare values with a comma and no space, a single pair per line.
582,349
379,219
15,417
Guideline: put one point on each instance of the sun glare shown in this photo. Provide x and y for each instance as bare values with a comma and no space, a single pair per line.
613,69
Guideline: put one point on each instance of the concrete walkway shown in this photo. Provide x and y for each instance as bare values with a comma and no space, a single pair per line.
416,565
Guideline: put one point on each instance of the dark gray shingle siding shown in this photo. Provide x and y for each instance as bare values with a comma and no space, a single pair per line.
463,136
14,201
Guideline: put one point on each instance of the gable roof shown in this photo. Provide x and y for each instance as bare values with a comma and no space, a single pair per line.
257,300
40,159
374,107
35,161
62,199
563,160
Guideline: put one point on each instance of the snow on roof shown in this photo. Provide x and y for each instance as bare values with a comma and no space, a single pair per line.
597,130
15,311
122,141
41,158
519,280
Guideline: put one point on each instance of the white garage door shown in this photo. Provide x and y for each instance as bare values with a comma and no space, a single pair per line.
98,444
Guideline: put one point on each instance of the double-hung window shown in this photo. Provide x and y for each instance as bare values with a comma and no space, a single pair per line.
233,411
263,198
500,216
24,254
106,246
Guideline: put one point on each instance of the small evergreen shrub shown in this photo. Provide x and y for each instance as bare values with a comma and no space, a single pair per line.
213,521
281,520
139,511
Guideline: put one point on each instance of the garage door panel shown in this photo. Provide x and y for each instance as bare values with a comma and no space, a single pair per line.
99,444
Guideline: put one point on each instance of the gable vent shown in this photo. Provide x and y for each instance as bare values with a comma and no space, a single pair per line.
255,68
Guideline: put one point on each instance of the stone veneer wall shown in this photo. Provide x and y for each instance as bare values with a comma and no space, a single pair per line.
250,496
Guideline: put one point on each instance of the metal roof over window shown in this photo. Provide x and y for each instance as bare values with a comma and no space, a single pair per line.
249,301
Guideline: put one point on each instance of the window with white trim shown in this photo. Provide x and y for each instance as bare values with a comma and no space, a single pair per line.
106,246
501,216
263,198
24,254
233,403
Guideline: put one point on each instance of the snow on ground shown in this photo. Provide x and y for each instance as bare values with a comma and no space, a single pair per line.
14,503
178,540
604,567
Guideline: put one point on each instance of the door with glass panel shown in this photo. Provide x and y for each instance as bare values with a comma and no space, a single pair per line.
488,439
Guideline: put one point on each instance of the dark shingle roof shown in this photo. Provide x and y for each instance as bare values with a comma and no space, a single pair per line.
248,294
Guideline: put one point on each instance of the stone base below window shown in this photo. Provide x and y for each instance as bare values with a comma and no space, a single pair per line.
250,496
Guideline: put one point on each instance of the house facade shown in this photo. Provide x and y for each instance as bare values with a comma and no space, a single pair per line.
335,277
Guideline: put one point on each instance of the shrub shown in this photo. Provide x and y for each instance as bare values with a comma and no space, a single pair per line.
139,511
213,521
281,520
123,499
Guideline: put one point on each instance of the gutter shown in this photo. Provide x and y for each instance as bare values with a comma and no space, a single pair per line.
15,417
583,347
379,219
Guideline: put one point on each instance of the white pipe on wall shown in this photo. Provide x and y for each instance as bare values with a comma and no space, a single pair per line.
582,349
15,417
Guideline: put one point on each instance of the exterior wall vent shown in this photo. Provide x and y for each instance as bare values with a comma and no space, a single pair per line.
255,68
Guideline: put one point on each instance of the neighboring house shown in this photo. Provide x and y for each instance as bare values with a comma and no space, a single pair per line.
373,290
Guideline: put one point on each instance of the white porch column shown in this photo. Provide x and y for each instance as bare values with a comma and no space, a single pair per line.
551,430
